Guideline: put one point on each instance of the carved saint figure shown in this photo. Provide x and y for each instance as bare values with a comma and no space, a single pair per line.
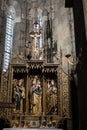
36,96
19,94
51,97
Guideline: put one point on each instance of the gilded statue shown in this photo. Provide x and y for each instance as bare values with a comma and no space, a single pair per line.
51,98
36,96
18,94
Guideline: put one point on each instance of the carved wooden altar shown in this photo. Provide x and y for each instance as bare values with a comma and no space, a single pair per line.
44,98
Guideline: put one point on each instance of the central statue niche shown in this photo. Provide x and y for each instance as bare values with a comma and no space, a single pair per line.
36,96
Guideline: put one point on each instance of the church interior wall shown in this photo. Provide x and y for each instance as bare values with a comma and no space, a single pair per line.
69,29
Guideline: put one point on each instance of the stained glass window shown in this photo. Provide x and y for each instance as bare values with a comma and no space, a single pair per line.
8,38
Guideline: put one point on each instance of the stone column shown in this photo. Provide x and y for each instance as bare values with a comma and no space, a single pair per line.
85,14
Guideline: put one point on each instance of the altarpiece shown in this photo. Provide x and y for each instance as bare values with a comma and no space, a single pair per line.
37,86
39,92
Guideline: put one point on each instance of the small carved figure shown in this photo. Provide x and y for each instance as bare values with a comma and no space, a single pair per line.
19,94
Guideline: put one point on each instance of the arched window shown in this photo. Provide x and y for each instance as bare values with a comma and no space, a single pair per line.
8,38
